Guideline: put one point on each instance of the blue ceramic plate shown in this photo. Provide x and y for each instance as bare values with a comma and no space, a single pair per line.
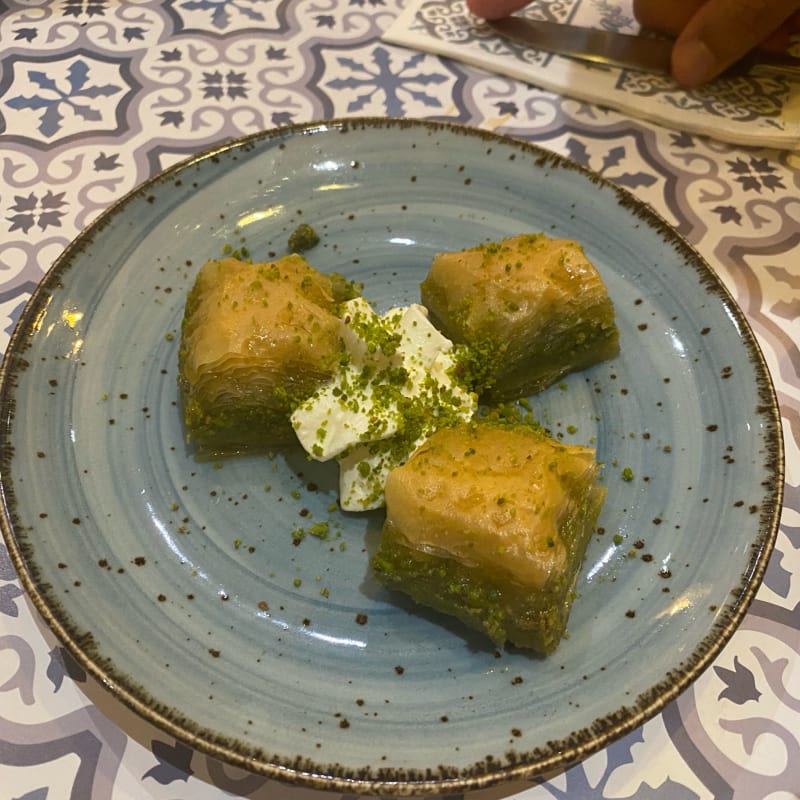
188,588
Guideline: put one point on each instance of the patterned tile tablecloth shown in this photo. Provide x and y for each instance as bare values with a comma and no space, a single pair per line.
98,95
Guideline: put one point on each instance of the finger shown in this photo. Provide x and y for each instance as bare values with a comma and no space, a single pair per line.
495,9
782,38
670,17
777,41
721,32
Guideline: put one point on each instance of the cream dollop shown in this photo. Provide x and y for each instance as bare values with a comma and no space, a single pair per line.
395,387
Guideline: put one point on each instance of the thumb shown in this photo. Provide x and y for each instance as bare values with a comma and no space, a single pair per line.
495,9
722,32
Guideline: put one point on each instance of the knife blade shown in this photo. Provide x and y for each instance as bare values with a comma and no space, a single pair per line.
614,49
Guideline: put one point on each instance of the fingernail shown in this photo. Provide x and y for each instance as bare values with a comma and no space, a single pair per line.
693,63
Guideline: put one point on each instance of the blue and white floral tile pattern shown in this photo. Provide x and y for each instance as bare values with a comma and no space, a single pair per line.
96,96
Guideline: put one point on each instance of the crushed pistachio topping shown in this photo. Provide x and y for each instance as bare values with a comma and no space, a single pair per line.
302,238
627,474
395,386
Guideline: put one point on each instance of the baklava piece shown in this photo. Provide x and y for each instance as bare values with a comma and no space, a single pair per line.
530,308
256,340
489,522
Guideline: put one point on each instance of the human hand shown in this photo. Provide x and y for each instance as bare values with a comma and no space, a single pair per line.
711,34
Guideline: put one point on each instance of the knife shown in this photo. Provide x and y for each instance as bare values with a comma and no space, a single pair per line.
620,49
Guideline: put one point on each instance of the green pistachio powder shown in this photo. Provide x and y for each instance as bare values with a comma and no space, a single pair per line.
378,391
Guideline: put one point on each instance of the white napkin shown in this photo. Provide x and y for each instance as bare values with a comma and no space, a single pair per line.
762,111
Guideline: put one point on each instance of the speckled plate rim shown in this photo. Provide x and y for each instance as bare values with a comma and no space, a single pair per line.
554,756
